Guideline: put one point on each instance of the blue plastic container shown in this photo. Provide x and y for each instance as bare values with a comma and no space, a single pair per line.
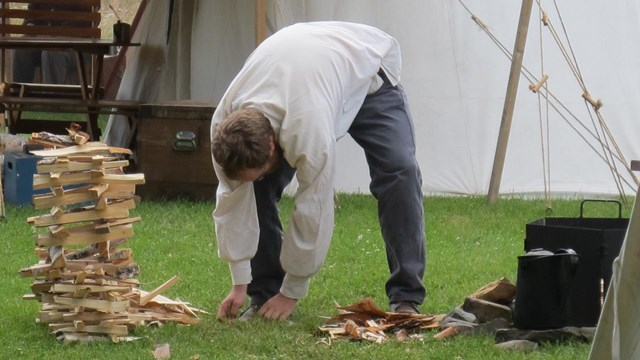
18,170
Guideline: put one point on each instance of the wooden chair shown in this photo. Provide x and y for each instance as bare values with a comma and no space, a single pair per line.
61,18
56,20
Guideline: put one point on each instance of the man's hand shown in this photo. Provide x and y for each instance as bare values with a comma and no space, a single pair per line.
230,306
278,307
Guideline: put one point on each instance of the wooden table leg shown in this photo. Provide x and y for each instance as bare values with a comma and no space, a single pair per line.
91,94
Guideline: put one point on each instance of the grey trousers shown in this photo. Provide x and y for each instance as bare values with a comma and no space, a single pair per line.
56,67
384,129
59,67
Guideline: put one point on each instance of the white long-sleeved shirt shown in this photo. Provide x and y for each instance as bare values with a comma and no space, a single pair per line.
310,80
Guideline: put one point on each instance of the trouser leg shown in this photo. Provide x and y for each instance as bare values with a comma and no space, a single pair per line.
266,270
25,62
58,67
384,129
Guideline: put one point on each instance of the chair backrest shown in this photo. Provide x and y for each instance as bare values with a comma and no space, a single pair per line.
65,18
60,18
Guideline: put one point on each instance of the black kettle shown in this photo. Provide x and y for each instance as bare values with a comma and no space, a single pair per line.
542,288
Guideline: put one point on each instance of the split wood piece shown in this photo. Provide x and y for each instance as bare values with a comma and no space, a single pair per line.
159,299
173,305
81,293
98,275
125,272
164,315
102,203
119,256
45,285
446,333
56,257
116,322
54,180
45,143
71,338
57,314
148,297
84,194
119,330
88,148
52,140
501,291
106,226
104,251
56,307
114,210
31,297
79,137
46,317
100,305
39,286
102,318
104,267
69,288
358,332
35,270
84,235
81,278
67,165
352,330
92,250
89,268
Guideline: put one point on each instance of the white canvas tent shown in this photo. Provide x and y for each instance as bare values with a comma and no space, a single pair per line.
454,75
455,78
618,336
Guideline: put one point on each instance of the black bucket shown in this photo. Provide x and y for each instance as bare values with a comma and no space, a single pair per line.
543,285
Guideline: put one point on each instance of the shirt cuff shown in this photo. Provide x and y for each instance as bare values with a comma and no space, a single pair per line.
295,287
240,272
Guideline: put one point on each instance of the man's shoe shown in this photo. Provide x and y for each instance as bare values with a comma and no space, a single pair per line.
404,308
249,313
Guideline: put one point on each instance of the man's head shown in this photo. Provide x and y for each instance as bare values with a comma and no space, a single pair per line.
244,145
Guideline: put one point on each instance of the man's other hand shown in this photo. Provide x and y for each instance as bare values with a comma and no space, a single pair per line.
278,307
231,305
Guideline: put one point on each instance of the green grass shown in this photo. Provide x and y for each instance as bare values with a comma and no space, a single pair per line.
469,245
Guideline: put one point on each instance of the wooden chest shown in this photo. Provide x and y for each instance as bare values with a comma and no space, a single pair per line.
173,150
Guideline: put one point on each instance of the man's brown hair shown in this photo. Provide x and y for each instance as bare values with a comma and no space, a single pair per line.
242,141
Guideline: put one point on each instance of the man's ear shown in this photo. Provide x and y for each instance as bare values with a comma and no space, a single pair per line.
272,145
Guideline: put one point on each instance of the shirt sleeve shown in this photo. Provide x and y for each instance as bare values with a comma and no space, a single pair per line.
236,224
310,147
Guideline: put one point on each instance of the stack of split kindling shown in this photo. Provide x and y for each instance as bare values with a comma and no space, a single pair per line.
84,279
365,321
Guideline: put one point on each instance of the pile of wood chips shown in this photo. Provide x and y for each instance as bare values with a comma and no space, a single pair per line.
83,278
365,321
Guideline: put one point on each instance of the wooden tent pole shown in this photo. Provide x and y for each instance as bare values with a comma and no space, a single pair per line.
510,100
261,21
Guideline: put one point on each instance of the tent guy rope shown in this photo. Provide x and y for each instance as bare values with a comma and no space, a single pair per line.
598,132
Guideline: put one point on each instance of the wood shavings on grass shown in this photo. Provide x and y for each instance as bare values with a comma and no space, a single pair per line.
364,320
